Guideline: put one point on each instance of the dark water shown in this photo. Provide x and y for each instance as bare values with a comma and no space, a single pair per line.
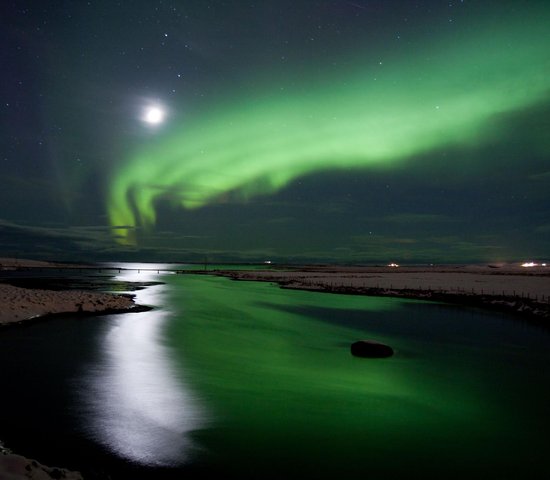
247,380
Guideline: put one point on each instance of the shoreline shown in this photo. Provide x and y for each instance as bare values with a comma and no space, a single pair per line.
526,308
27,299
23,305
504,287
517,292
18,467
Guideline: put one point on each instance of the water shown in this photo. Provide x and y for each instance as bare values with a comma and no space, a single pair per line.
248,380
137,405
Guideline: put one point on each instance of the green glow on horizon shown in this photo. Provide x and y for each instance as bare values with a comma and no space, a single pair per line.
375,117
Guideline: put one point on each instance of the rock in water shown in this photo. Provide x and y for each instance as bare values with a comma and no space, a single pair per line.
370,349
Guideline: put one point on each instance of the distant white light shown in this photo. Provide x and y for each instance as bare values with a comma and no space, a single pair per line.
529,264
393,265
154,115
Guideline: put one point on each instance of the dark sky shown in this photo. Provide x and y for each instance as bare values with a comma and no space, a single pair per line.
289,130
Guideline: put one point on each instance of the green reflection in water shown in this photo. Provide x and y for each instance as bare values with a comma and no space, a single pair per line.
287,398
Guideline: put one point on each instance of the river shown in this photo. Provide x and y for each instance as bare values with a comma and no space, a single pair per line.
248,380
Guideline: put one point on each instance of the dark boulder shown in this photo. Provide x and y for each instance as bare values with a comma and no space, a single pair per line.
370,349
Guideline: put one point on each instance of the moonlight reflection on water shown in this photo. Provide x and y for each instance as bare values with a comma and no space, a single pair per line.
137,405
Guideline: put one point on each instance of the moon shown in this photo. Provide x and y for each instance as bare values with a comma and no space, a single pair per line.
154,115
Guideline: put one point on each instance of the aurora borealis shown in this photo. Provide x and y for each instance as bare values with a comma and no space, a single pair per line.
346,131
260,143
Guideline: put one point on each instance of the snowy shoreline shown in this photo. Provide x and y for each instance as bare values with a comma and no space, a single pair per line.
24,304
17,467
526,293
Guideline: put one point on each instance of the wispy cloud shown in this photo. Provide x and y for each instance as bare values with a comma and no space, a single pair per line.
427,248
84,242
417,218
539,177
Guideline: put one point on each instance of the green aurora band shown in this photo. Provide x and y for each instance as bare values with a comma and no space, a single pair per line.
376,116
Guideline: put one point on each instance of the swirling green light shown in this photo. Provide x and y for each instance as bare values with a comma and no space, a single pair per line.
376,116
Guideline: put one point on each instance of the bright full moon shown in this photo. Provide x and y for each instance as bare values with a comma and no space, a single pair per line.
154,115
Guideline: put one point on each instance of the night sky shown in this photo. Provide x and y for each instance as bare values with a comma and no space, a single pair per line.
289,130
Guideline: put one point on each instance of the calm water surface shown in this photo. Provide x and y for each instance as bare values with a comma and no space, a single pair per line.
248,380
